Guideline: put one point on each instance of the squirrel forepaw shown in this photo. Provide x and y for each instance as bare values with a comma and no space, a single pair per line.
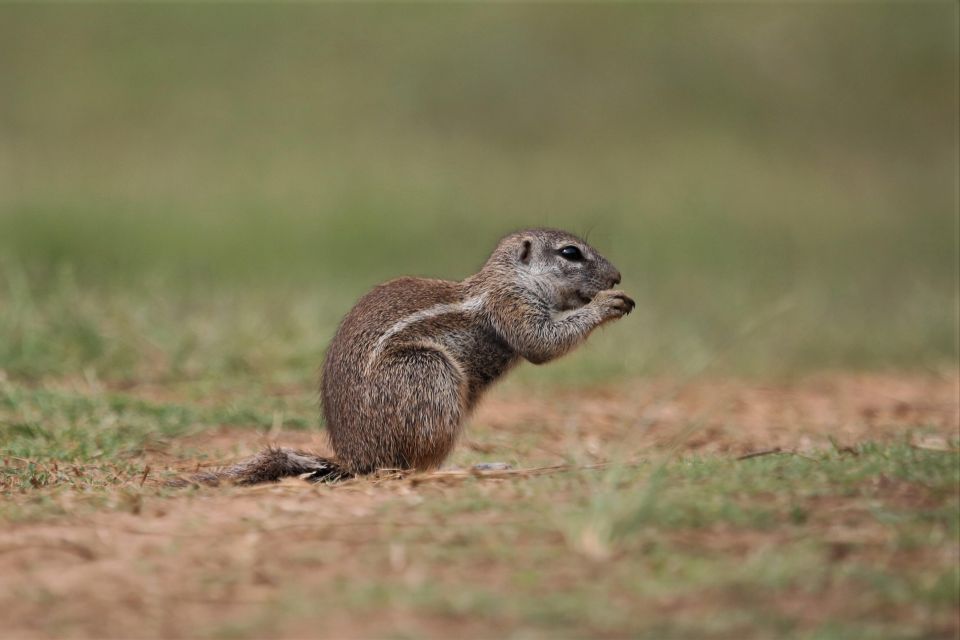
614,303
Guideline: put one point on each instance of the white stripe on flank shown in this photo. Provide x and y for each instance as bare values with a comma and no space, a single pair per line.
470,305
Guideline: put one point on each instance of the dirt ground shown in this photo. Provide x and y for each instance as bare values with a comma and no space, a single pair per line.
156,563
706,417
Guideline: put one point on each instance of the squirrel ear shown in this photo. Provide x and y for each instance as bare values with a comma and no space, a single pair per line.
525,251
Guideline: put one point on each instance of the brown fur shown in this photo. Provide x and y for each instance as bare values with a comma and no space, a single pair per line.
412,358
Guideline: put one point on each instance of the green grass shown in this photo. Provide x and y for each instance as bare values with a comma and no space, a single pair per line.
167,332
43,426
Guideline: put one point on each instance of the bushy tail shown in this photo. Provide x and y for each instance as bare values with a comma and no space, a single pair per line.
271,465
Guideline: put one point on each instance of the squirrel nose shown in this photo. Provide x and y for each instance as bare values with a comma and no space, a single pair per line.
616,279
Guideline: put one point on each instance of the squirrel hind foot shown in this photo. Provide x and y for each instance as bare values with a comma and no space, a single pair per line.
329,473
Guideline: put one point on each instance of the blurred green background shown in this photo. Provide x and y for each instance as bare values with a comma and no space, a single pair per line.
195,191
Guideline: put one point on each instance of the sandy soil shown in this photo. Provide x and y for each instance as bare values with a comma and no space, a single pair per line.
154,565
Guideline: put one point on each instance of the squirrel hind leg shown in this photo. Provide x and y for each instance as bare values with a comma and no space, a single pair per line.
428,407
407,415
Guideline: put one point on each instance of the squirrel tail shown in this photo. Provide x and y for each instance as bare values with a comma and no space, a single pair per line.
270,465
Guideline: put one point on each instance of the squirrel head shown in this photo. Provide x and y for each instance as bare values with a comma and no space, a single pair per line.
558,267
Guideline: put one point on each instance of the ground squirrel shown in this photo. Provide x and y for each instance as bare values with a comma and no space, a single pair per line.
412,358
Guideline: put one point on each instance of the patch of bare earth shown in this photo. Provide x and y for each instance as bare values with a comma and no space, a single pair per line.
255,560
731,417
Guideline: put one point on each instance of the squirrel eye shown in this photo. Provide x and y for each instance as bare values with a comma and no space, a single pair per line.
571,253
